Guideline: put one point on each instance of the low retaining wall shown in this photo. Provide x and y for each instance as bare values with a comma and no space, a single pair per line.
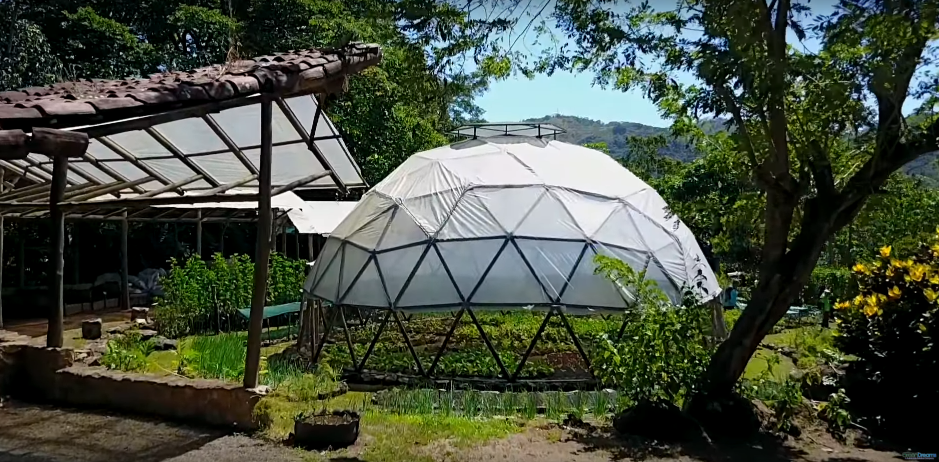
48,374
11,355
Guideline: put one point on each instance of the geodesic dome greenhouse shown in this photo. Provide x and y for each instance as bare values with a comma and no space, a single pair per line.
506,221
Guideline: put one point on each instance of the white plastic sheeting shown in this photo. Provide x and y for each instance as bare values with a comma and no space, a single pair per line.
197,141
506,221
312,217
325,216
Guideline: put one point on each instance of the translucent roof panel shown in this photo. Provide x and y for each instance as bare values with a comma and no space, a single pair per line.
327,140
443,233
223,148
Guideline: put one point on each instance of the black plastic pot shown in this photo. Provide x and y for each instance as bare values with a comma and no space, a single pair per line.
336,429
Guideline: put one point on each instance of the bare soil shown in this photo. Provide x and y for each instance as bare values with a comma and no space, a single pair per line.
596,445
37,328
35,433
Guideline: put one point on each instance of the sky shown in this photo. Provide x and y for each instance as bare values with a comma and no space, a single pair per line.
519,98
565,93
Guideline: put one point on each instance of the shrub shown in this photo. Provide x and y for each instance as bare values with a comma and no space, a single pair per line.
731,317
187,297
839,281
285,280
782,395
664,349
891,326
199,297
127,352
835,413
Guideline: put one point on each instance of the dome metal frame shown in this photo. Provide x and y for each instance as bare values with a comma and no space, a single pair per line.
495,224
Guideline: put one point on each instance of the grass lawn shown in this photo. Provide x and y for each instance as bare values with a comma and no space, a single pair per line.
389,436
758,364
393,437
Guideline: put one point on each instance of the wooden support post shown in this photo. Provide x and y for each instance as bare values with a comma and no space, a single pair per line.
125,286
296,242
1,252
309,243
263,250
57,254
199,233
221,239
21,262
76,254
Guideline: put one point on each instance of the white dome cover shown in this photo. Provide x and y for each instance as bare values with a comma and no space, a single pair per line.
505,221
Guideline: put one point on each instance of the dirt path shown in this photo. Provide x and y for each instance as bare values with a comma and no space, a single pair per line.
34,433
31,433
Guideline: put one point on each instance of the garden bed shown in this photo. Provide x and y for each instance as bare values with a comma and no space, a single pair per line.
554,356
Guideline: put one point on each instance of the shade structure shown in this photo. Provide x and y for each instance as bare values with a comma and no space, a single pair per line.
223,147
506,221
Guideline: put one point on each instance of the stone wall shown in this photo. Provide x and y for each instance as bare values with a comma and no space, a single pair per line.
48,374
10,361
207,401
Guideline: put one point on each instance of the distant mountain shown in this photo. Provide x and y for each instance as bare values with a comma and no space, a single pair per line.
581,130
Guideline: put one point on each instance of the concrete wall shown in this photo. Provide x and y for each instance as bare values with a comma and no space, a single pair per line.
48,374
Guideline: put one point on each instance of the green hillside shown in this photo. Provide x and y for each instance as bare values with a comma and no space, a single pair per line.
581,130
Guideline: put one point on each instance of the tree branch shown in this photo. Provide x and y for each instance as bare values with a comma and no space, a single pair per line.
734,109
821,171
890,92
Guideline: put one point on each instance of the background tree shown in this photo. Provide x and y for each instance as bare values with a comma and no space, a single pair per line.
421,90
818,132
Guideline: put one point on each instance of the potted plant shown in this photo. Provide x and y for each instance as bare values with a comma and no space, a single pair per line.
326,429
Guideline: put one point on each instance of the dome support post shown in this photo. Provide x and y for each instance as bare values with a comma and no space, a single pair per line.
322,340
580,348
371,346
531,346
495,354
446,340
407,341
345,330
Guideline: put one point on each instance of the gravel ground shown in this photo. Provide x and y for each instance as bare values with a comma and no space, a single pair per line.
34,433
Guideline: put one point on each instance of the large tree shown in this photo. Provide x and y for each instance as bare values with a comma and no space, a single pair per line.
820,131
422,88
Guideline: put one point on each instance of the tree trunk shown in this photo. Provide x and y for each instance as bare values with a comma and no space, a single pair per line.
718,325
779,286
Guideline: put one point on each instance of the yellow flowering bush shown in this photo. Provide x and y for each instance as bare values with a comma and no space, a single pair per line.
890,326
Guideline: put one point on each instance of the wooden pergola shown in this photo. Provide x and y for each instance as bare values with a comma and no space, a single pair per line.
116,150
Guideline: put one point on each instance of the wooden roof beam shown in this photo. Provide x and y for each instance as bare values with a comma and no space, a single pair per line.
45,193
108,189
301,182
109,171
25,191
175,186
225,187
